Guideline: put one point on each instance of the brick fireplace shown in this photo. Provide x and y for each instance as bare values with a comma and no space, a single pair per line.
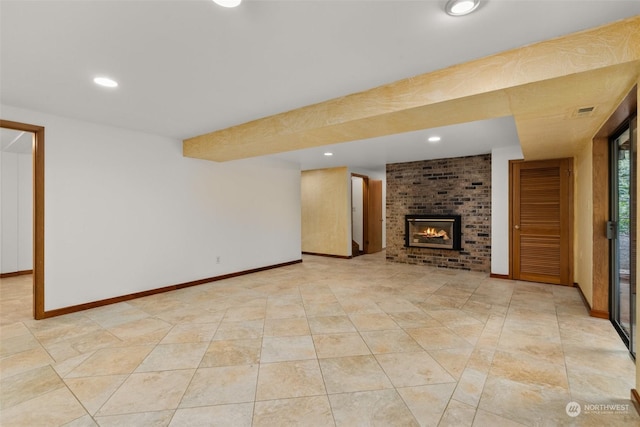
456,187
432,231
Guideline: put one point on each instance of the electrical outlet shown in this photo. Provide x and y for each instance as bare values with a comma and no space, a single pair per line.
218,259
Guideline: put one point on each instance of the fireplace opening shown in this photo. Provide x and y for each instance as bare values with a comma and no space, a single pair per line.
433,231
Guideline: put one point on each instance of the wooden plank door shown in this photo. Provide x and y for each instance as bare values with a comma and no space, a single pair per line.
542,221
374,223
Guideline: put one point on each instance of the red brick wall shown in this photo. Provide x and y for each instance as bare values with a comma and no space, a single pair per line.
458,186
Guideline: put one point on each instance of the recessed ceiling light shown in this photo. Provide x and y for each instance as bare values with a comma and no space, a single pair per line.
434,139
461,7
105,81
328,154
228,3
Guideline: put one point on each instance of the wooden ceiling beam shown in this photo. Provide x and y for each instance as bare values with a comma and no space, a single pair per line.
485,88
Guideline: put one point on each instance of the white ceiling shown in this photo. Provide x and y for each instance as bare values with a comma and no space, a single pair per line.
188,67
466,139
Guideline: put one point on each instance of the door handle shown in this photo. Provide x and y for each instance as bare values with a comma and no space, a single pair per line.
517,227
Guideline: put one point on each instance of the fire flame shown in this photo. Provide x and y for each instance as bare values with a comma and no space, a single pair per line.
431,232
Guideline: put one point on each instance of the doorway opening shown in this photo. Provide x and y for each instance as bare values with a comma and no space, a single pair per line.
37,219
358,214
622,231
366,215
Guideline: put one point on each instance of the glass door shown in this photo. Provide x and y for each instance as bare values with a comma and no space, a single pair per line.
622,232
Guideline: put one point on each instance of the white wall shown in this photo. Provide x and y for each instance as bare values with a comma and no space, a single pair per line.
25,212
125,212
357,211
16,212
500,207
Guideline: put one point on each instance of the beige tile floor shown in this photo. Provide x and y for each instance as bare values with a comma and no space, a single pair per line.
326,342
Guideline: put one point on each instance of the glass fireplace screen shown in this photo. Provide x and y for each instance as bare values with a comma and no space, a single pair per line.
428,231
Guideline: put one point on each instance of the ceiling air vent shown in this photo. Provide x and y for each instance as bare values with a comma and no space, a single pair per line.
584,111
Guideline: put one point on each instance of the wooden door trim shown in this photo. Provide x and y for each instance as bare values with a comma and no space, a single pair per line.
375,215
601,251
38,212
512,164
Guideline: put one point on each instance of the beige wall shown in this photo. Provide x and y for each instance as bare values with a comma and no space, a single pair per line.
326,217
583,237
